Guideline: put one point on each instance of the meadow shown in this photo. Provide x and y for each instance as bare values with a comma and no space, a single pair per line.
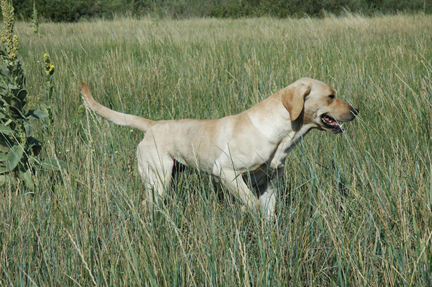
352,210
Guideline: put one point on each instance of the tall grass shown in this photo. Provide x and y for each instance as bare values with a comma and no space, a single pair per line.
352,209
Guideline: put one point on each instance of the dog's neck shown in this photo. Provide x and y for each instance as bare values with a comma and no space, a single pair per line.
272,113
284,134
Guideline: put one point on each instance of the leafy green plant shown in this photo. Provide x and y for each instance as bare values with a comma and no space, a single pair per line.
34,25
18,148
49,89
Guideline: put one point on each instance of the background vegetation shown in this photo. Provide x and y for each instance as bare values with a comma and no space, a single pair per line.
74,10
352,209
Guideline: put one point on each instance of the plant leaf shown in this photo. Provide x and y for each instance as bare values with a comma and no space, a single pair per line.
22,95
27,178
16,113
36,115
16,103
3,157
34,145
14,157
3,179
13,87
3,168
5,130
5,141
28,128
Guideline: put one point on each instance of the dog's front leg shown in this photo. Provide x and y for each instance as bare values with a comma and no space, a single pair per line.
238,188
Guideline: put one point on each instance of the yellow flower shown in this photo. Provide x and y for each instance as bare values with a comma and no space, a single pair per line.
12,55
46,56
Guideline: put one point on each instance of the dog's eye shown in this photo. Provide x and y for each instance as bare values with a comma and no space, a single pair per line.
331,96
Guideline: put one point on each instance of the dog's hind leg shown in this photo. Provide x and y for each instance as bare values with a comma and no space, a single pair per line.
267,198
238,188
156,175
267,193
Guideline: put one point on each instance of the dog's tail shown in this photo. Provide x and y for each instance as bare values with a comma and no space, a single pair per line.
113,116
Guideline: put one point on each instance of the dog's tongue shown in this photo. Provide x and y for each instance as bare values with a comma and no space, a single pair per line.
332,122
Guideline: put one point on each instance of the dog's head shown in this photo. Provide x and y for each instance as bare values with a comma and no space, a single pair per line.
313,102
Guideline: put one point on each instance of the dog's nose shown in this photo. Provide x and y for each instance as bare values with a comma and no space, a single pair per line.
355,111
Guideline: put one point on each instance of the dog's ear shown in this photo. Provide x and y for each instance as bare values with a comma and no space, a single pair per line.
293,99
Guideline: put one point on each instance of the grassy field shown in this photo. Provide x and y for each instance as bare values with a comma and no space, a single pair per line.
352,209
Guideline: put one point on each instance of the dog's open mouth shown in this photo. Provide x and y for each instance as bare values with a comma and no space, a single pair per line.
331,123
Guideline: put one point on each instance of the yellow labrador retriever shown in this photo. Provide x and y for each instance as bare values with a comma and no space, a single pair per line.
246,152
